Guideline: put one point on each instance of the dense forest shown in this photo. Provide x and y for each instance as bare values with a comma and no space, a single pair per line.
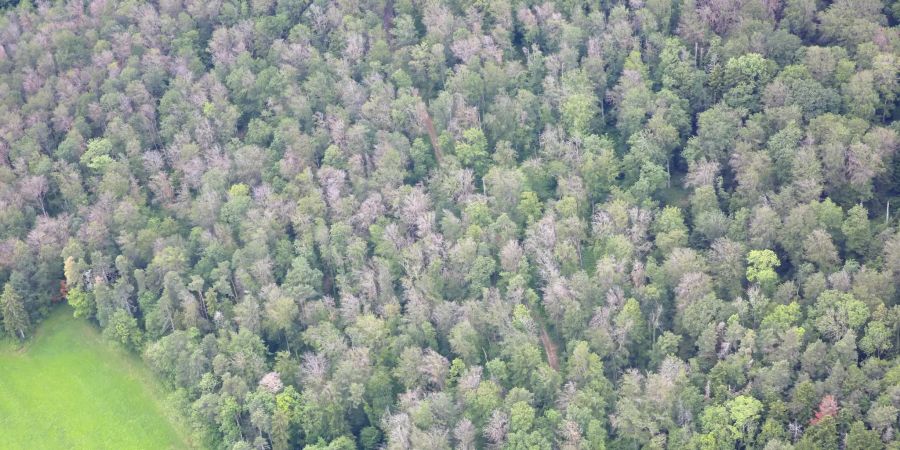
510,224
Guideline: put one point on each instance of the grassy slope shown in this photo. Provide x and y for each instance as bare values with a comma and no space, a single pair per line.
70,389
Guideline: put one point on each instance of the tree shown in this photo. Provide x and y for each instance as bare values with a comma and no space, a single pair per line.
727,263
823,434
745,413
670,230
82,302
631,420
877,339
123,328
882,419
800,16
472,151
15,317
819,249
860,97
761,266
529,207
522,434
743,80
884,70
836,313
280,431
828,408
857,230
578,112
97,156
716,131
860,438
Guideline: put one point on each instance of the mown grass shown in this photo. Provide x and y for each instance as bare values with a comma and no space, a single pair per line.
68,388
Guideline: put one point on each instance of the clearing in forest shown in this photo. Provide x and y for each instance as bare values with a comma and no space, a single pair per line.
68,388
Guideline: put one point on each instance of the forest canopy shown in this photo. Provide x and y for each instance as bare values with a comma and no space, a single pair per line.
511,224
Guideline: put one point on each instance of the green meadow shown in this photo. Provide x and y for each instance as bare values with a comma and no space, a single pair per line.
68,388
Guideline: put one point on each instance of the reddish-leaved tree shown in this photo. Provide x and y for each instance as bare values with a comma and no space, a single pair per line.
828,407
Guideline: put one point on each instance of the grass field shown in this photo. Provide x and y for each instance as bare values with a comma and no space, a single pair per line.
68,388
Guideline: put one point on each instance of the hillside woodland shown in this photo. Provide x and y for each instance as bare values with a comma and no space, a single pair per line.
505,224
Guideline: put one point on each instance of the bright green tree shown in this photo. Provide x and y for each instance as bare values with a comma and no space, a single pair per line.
472,151
761,266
